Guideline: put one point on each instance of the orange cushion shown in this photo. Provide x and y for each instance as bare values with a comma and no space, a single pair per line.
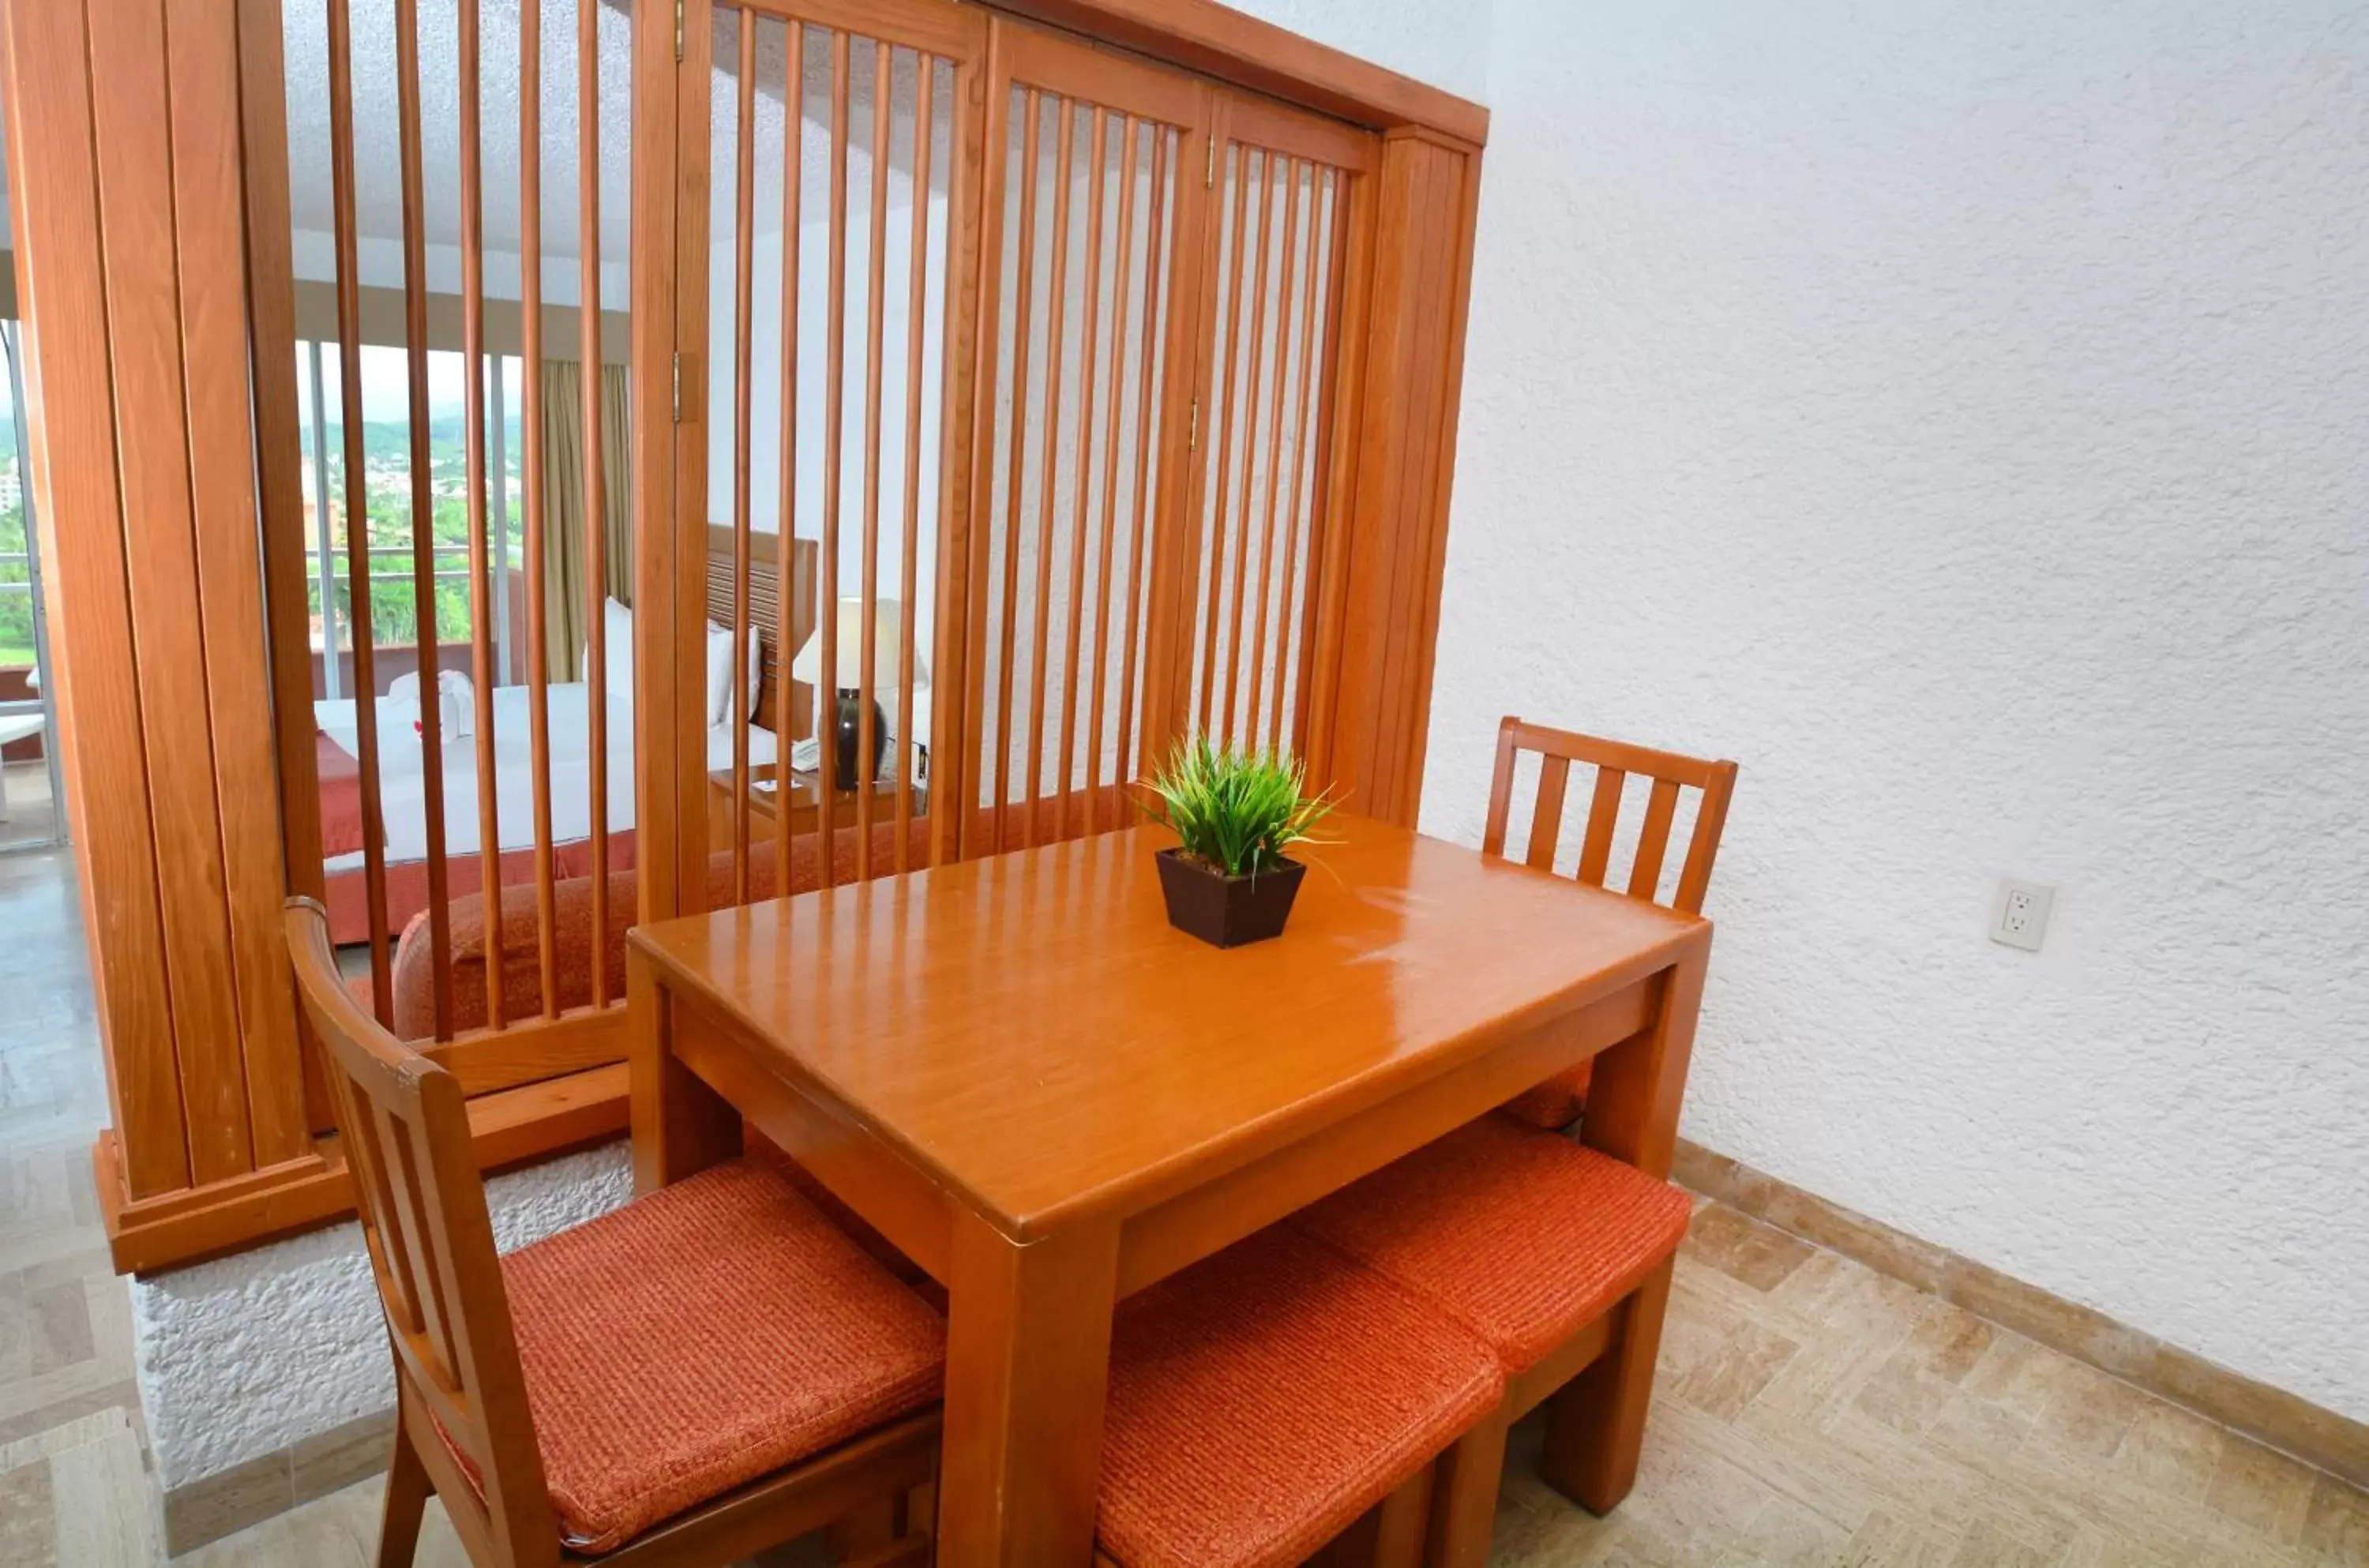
1523,1236
1264,1398
701,1337
1557,1103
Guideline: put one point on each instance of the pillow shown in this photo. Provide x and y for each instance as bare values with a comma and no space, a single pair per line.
719,675
617,651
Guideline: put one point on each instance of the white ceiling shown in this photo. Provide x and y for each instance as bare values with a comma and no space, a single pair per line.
376,126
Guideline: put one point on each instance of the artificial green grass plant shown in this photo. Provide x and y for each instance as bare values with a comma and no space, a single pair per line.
1236,810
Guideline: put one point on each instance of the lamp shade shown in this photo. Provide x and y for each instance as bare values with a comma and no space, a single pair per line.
888,627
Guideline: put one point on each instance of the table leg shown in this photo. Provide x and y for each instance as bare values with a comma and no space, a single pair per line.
681,1125
1027,1368
1595,1425
1636,1088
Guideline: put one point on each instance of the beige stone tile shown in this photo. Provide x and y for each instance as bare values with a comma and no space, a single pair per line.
1890,1540
57,1439
2171,1450
2336,1522
28,1519
76,1391
106,1513
2087,1414
57,1326
2014,1374
1903,1396
2266,1492
1969,1421
1760,1255
1732,1374
1949,1341
1990,1545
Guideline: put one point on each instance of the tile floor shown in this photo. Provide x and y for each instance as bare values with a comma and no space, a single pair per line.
1810,1412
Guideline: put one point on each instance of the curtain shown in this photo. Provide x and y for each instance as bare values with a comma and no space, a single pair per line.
564,554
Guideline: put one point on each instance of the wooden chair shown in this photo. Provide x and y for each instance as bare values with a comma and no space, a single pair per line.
1278,1403
690,1378
1556,1256
1558,1101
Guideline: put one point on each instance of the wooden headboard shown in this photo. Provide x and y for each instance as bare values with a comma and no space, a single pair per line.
772,668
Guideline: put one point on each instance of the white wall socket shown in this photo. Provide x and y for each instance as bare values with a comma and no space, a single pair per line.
2019,916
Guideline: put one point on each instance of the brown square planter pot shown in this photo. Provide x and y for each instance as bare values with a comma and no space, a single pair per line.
1227,911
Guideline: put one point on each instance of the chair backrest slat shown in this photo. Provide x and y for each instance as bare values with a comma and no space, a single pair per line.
1546,820
1603,818
1671,774
404,1128
1653,840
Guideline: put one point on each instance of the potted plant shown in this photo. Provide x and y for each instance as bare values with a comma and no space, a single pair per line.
1229,882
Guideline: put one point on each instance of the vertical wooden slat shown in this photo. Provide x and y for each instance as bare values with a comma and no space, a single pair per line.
1082,517
1057,297
279,460
1147,440
744,288
533,493
1292,632
423,505
357,508
202,63
1233,351
915,305
481,603
1290,257
966,304
684,50
1255,366
1116,398
786,541
835,374
1702,849
596,494
1337,446
1546,814
1653,840
1501,792
1428,566
876,324
654,263
1603,816
1024,248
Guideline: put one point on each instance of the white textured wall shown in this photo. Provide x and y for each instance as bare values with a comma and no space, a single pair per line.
1961,416
244,1355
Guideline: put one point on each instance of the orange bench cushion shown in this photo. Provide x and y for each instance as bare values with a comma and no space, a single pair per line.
1264,1398
701,1337
1557,1103
1523,1236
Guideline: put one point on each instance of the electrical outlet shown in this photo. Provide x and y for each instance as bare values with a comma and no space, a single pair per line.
2019,917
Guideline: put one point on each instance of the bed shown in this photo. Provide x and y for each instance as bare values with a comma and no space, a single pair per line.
403,809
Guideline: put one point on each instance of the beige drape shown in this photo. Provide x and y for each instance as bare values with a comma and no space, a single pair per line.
563,556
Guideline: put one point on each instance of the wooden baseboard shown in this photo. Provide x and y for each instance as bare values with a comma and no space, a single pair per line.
2317,1436
532,1121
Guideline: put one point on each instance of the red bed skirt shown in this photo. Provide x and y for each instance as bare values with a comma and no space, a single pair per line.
407,882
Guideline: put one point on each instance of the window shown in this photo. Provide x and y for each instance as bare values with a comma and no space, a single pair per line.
387,456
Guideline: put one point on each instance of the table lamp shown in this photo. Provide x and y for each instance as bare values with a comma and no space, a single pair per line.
887,630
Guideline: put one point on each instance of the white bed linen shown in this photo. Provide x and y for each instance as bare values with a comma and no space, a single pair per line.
403,793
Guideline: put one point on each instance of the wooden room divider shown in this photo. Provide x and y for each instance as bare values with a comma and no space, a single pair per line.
1034,384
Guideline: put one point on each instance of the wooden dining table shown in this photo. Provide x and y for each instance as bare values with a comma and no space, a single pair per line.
1048,1098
